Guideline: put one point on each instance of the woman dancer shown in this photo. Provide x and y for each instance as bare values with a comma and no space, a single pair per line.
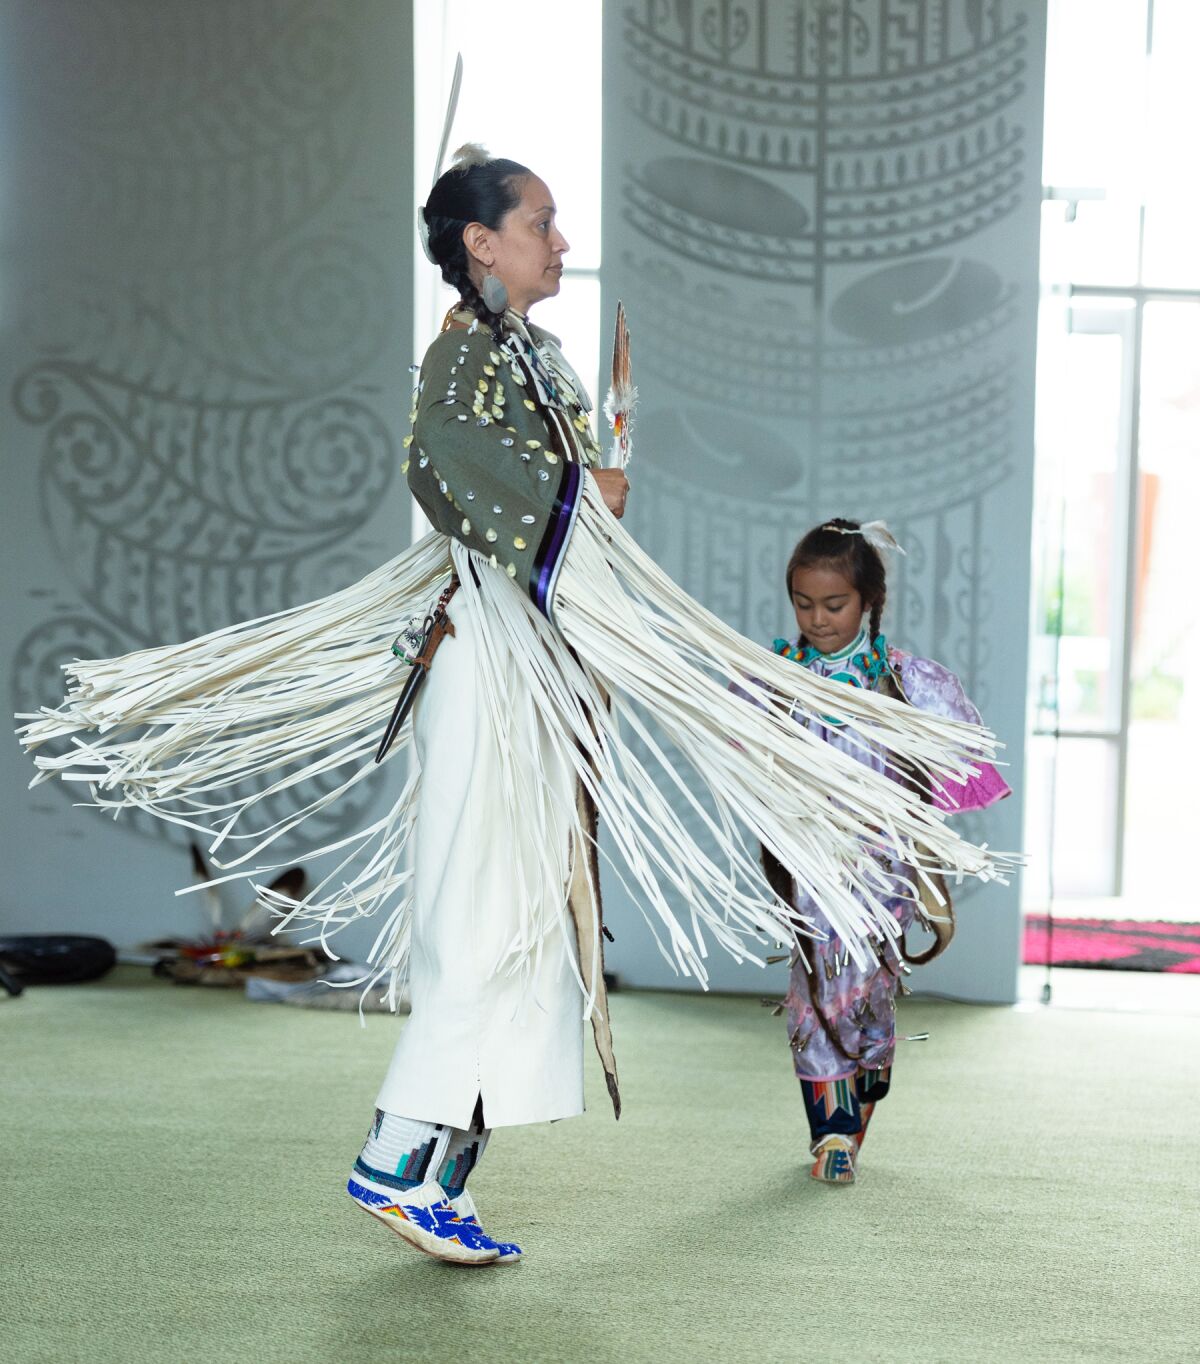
494,1036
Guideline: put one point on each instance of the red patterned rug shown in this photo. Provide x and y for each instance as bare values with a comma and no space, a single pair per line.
1113,944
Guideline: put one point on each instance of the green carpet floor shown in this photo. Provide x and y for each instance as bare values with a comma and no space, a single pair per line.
173,1164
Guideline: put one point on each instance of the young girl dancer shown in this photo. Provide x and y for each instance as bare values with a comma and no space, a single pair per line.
841,1015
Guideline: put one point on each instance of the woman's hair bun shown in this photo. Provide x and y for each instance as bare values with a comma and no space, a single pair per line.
468,155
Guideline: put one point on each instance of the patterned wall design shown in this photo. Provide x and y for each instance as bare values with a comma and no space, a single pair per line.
822,217
208,219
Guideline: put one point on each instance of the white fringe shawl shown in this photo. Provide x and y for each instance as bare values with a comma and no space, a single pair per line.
176,730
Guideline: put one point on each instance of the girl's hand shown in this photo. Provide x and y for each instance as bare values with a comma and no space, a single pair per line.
614,488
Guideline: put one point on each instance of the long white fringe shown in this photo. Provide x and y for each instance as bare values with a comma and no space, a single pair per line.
177,730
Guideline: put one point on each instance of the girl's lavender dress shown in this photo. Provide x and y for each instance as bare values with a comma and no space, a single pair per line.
841,1017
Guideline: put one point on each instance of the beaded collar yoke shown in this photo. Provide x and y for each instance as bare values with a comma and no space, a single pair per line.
870,658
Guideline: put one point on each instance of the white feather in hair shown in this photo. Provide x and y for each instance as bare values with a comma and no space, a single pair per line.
880,538
875,533
448,121
468,155
447,127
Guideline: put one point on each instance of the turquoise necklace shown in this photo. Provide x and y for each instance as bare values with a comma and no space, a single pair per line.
869,658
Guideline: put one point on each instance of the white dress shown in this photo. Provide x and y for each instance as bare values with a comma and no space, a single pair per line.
488,1017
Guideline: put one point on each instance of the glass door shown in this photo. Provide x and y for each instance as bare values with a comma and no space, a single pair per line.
1079,654
1116,643
1164,707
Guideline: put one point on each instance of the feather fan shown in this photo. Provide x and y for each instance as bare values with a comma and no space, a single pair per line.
622,395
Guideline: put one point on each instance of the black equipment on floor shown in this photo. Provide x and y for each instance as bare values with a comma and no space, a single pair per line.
53,959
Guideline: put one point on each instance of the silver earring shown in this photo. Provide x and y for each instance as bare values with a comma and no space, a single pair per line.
495,295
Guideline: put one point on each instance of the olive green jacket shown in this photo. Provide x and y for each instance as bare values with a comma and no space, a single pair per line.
500,439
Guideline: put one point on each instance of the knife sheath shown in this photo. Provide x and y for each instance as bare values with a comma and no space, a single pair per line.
438,628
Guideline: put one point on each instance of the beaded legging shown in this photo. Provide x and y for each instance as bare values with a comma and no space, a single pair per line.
843,1107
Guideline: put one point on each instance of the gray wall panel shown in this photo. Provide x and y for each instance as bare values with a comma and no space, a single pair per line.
823,218
206,260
